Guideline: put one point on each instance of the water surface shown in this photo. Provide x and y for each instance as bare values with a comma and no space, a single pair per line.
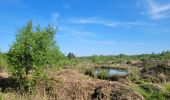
111,71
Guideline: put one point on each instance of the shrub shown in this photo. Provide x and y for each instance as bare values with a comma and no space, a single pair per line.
31,52
150,91
103,74
88,71
134,74
3,61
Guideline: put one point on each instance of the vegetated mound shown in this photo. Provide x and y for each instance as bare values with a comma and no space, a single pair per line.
71,85
157,74
77,86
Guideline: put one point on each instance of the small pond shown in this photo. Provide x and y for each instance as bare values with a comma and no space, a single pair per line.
111,71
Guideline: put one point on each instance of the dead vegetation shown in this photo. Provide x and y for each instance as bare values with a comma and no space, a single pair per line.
77,86
157,74
69,84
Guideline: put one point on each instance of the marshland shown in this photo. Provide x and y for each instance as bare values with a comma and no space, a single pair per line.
115,77
84,50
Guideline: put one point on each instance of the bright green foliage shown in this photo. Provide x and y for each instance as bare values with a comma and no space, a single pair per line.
33,50
152,91
3,61
123,58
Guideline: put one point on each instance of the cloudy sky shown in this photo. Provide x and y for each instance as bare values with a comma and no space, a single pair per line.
87,27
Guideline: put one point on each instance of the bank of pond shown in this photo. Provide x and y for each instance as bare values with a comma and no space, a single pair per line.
107,73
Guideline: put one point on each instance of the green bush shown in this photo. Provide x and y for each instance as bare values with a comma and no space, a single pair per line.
33,50
87,71
150,91
103,74
3,61
134,74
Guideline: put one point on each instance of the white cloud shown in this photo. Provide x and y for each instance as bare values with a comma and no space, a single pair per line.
97,42
94,21
54,19
101,42
75,33
55,16
83,36
105,22
134,23
157,10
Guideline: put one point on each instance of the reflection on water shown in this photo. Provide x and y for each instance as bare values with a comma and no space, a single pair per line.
111,71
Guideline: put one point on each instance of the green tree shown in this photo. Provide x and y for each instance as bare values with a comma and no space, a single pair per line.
33,50
3,61
71,55
165,54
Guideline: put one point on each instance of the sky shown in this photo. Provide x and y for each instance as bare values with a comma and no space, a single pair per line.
88,27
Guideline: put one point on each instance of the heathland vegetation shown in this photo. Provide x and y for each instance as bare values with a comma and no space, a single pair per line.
35,68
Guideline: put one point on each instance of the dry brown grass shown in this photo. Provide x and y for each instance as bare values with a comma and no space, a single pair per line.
71,85
4,74
81,87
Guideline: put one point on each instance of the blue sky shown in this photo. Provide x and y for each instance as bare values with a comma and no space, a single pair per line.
87,27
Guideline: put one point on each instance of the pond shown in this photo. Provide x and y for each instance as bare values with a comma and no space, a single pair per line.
111,71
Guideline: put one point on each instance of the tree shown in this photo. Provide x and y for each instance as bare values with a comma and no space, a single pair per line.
165,54
71,55
33,50
3,61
